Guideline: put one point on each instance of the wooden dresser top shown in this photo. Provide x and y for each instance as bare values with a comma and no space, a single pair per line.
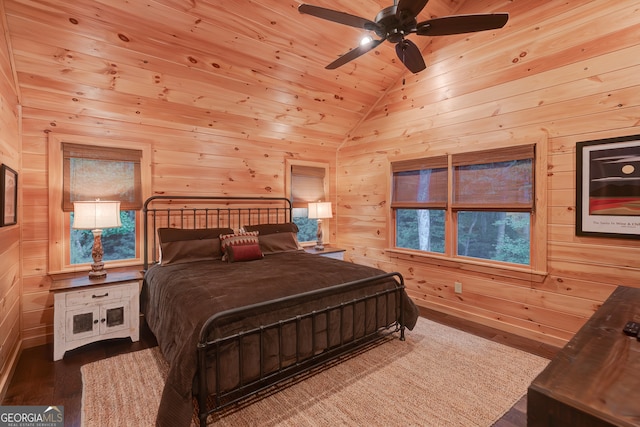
598,371
70,283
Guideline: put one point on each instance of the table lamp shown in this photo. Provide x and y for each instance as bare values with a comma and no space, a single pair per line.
319,211
95,216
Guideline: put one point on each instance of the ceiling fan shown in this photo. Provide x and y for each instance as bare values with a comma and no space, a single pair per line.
393,23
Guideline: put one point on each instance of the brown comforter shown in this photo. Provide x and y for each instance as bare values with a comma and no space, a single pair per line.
178,299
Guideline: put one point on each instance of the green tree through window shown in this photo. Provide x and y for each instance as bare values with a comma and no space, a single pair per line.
118,243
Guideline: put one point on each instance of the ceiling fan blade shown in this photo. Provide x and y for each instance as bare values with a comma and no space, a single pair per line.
410,8
410,56
353,54
458,24
339,17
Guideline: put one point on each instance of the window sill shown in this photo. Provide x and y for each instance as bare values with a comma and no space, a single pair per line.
503,270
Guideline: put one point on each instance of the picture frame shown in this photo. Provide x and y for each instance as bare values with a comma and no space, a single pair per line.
608,187
8,196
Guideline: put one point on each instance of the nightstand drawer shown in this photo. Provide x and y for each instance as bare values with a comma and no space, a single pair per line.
91,296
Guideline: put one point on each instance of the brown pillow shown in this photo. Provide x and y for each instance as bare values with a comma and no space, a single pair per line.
279,242
274,238
265,229
179,245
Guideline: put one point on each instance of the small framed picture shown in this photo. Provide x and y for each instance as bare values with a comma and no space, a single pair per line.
9,196
608,187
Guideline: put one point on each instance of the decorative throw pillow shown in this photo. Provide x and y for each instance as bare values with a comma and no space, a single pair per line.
274,238
244,253
179,245
242,238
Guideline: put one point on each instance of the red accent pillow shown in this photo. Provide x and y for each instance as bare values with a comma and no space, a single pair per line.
244,253
228,241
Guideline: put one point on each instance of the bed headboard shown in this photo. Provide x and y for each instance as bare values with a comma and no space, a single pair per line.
207,212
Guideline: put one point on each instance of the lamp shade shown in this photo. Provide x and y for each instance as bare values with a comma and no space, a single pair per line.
96,215
320,210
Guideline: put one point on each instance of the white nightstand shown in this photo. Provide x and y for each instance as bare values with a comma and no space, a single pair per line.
88,310
328,252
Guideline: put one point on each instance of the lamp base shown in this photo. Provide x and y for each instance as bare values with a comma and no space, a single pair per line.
97,271
319,243
97,267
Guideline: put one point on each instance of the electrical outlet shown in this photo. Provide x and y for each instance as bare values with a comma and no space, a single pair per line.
457,287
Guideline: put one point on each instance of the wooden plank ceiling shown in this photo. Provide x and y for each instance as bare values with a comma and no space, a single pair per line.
197,64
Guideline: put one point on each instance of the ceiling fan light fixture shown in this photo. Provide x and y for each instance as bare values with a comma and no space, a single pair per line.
366,40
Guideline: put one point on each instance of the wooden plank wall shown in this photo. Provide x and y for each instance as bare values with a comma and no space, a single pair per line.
559,71
10,235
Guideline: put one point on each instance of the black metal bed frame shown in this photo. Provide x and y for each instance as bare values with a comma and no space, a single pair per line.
171,214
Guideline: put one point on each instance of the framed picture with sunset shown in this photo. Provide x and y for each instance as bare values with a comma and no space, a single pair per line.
608,187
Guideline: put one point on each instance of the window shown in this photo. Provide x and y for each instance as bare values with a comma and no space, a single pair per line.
105,173
100,169
307,183
420,201
476,205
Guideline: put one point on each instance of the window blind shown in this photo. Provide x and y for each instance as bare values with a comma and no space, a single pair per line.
494,179
104,173
307,185
420,183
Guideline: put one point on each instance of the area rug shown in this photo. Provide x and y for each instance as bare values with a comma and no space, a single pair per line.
439,376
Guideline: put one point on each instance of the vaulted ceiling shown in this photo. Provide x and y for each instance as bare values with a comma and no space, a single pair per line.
195,64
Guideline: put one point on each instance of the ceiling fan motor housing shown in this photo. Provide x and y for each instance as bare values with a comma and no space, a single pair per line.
392,27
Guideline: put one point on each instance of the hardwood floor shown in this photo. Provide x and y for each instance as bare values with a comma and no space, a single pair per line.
38,380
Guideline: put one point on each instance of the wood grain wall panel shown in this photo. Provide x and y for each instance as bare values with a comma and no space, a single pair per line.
35,231
35,322
9,278
563,70
597,253
10,339
35,284
561,197
35,298
33,265
35,301
10,244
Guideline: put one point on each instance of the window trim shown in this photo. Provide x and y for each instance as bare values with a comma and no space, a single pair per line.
536,271
326,226
59,220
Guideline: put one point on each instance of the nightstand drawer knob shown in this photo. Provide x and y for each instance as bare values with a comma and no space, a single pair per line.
95,321
100,296
103,320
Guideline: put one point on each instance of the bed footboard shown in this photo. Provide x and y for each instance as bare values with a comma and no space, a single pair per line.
288,347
